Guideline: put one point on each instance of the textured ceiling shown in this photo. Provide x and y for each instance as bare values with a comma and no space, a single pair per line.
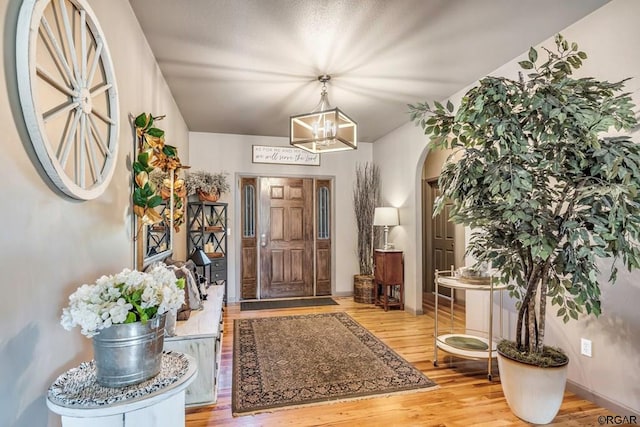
245,66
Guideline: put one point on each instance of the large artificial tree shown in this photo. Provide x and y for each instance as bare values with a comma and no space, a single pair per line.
545,193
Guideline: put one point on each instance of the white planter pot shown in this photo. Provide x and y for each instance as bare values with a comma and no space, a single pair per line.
534,394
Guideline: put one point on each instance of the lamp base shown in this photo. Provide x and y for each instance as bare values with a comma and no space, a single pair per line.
387,245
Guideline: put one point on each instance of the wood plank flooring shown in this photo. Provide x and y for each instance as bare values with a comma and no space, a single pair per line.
465,396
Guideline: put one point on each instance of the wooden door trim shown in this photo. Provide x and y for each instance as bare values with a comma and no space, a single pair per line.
248,274
323,261
427,294
329,181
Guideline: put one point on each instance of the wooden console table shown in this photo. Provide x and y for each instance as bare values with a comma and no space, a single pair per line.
157,402
201,337
389,279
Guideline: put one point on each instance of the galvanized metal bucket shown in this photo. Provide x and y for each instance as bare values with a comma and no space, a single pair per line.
129,353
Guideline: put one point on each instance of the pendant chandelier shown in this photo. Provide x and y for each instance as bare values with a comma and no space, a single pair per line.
324,129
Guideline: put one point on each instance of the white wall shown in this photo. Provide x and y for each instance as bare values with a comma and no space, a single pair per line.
49,244
232,153
400,155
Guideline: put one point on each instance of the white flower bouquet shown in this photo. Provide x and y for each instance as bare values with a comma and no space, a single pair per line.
127,297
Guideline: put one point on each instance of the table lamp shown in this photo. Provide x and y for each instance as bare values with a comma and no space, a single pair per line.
386,217
200,259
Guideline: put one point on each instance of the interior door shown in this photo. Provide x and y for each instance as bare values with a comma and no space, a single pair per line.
286,237
441,237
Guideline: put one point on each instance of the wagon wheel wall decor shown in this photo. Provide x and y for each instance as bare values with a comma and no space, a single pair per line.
67,90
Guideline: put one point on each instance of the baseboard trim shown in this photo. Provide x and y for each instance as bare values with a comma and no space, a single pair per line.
343,294
414,311
600,400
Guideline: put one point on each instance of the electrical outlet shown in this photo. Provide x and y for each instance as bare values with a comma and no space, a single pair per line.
585,347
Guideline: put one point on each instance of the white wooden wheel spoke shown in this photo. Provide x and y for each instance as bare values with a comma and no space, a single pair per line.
80,152
90,146
102,117
83,46
98,138
59,109
100,89
54,55
68,142
70,38
94,63
77,152
59,51
46,76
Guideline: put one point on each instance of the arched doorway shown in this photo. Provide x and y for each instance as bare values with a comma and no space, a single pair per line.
442,241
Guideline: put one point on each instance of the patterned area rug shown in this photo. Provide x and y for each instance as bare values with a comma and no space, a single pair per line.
301,360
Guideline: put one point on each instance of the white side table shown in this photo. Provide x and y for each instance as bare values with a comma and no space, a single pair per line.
444,341
157,402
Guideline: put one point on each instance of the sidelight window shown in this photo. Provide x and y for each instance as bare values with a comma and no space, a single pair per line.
249,223
323,213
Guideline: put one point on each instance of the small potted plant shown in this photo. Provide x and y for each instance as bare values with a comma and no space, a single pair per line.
206,185
547,196
128,306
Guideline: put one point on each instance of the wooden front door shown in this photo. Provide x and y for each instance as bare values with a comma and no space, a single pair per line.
440,236
286,237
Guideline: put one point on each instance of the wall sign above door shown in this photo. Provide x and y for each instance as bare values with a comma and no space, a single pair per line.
284,155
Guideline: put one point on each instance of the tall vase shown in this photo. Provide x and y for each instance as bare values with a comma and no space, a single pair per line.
129,353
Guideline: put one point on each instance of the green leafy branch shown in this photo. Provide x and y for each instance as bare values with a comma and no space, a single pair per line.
154,153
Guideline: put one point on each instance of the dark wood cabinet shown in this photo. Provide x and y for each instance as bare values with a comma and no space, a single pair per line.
389,279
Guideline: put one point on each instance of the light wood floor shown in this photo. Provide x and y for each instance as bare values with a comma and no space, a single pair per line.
465,396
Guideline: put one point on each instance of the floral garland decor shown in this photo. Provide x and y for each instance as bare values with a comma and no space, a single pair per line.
153,155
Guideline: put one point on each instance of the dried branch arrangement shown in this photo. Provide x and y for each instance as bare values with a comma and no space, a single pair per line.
366,195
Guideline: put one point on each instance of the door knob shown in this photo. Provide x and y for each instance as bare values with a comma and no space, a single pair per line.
263,240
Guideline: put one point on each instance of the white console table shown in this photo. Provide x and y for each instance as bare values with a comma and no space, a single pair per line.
157,402
201,337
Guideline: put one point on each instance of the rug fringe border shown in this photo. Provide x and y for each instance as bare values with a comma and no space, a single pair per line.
339,400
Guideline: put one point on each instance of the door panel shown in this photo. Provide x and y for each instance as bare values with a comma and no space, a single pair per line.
440,233
297,265
277,224
286,253
296,225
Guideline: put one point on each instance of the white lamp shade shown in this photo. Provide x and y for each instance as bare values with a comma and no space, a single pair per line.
386,216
